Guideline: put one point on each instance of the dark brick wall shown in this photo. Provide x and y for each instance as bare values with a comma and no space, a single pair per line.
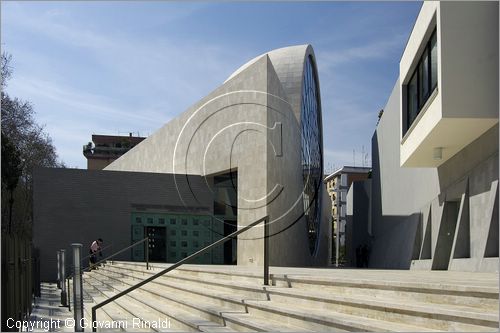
79,206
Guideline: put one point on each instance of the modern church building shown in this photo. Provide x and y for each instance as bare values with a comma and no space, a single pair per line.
252,148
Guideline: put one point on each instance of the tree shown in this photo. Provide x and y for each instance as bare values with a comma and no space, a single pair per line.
33,148
11,171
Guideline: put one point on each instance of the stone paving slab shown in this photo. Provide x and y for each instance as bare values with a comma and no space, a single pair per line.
48,315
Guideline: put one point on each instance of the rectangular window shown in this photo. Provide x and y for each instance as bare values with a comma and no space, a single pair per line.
172,221
184,222
195,222
422,82
173,254
196,233
434,60
150,220
138,220
184,243
184,233
412,100
173,243
161,221
196,244
172,233
423,79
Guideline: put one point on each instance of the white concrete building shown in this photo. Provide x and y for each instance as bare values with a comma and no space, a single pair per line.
434,187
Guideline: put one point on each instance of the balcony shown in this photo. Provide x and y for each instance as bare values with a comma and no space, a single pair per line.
449,89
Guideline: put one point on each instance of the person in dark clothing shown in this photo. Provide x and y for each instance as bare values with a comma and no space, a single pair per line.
95,248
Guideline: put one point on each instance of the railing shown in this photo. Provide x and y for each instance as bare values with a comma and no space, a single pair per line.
70,276
19,281
188,258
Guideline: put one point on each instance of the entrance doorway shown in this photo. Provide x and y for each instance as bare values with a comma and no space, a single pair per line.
225,211
157,250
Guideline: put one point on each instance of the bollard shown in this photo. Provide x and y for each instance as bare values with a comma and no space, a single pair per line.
77,287
63,278
58,269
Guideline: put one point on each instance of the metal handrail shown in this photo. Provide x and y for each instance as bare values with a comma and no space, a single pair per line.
194,255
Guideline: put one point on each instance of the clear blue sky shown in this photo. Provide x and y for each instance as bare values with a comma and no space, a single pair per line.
119,67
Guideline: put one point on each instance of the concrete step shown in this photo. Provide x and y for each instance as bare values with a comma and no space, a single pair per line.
483,296
245,288
419,313
219,314
106,286
323,320
242,321
439,316
183,320
374,300
214,272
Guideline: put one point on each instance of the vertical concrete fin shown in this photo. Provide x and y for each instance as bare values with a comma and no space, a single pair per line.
425,251
437,214
461,241
491,246
446,235
417,244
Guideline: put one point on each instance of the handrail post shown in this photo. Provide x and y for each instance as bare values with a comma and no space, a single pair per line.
147,253
58,269
94,327
266,251
77,287
69,295
63,277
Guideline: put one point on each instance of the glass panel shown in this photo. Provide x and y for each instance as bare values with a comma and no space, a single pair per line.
311,153
412,100
423,79
434,61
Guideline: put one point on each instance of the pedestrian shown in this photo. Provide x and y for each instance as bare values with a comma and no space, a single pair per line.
95,247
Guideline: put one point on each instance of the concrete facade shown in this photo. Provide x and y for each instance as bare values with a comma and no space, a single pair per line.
440,211
251,124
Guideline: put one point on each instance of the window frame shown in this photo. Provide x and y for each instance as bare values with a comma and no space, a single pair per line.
421,99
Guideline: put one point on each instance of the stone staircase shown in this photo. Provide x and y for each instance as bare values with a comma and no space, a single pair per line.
232,298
